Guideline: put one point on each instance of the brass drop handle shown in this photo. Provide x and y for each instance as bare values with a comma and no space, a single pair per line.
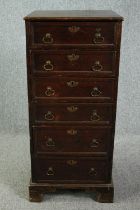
72,84
50,171
48,66
50,91
92,172
94,143
98,38
95,92
72,132
50,142
95,116
72,162
97,66
72,108
49,116
47,39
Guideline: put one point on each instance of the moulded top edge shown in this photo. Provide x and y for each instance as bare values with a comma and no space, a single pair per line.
94,15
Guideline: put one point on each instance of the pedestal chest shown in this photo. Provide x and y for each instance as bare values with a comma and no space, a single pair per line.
72,70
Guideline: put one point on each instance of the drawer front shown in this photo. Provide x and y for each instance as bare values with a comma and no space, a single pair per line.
98,63
71,139
70,169
91,113
60,87
97,34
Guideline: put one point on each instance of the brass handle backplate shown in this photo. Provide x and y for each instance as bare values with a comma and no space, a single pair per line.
72,132
73,57
72,162
95,116
97,66
72,84
47,39
74,29
50,171
48,66
49,116
94,143
95,92
98,38
92,172
50,91
50,142
72,108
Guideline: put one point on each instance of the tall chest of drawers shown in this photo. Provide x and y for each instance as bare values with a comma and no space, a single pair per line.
72,70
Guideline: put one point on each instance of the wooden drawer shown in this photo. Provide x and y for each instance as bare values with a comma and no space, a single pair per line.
97,63
58,112
97,34
70,169
79,140
57,87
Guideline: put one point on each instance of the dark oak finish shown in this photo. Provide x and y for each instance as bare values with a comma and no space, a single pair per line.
100,114
75,169
72,73
104,192
64,33
52,87
87,141
69,15
96,63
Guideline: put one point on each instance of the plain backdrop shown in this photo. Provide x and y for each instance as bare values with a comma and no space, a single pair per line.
14,139
13,83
